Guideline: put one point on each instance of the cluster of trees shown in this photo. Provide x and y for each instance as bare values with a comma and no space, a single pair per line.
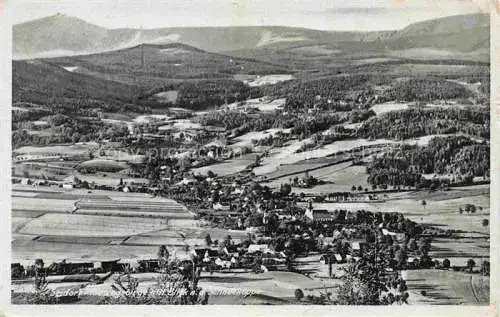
272,140
473,159
365,283
28,114
65,129
456,155
339,93
307,181
305,127
204,94
361,115
237,121
426,89
177,284
414,122
301,126
321,138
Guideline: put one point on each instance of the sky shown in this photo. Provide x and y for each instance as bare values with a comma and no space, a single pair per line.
359,15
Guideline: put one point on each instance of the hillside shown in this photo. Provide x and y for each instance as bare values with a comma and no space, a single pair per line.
37,81
464,33
199,79
150,65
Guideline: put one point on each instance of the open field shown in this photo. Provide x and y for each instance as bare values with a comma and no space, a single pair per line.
42,204
89,225
255,80
389,106
338,178
298,168
18,222
199,233
169,96
28,251
133,213
160,205
227,167
46,225
263,104
459,251
104,165
446,287
122,156
245,140
170,241
108,179
75,149
150,118
288,154
41,171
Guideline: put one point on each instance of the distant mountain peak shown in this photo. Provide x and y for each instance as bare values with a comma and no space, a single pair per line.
56,18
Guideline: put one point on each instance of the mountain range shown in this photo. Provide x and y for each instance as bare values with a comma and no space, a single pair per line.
66,61
62,35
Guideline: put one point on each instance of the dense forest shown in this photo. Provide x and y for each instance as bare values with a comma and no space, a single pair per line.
338,93
202,94
427,89
413,123
457,155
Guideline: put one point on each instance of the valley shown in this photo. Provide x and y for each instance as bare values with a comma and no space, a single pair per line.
279,163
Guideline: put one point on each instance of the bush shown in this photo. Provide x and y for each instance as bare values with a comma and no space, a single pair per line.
299,294
446,264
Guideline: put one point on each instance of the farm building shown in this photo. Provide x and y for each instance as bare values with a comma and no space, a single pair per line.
319,215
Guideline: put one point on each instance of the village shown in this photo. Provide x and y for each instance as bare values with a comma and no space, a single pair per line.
267,230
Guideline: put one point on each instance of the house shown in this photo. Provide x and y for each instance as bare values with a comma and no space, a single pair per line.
187,181
64,268
264,248
129,264
219,206
319,215
150,265
112,265
357,247
16,270
184,255
214,129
